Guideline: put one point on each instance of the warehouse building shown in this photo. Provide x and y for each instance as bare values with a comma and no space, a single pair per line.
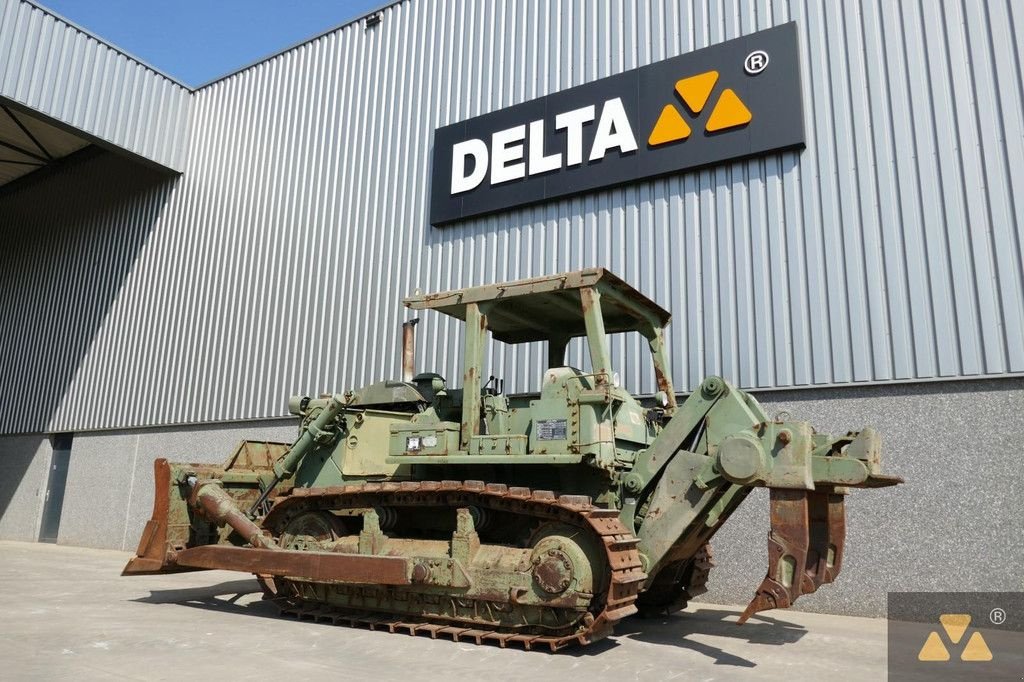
826,196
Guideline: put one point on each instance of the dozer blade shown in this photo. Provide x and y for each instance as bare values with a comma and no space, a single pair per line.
805,547
155,553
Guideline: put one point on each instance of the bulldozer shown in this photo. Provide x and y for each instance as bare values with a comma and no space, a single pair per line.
538,520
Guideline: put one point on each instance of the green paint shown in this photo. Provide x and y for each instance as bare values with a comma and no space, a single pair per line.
674,472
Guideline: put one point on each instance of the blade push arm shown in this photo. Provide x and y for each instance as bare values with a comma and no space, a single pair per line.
320,431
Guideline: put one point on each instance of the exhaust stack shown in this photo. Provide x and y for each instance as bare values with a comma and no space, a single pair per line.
409,349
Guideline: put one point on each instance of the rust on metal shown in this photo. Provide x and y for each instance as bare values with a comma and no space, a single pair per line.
216,505
420,572
409,349
615,600
787,553
496,561
256,455
805,547
529,309
317,566
827,516
662,381
151,555
554,572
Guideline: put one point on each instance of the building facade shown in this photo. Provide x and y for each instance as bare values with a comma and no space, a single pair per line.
199,255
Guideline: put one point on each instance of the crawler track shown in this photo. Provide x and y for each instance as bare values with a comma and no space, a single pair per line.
612,603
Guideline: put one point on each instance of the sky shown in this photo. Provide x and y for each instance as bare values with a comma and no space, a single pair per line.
196,41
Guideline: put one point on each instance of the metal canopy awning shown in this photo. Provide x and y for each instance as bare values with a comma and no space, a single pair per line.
27,143
542,307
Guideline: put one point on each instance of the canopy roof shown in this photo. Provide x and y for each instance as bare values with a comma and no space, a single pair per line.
542,307
28,143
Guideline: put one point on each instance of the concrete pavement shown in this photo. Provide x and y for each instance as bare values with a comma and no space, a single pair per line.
68,615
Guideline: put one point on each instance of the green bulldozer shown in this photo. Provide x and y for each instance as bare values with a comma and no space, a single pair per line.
538,520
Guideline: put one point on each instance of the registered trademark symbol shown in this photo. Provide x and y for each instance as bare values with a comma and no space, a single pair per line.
997,616
756,62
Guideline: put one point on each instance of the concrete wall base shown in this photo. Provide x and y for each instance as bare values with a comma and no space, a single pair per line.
24,466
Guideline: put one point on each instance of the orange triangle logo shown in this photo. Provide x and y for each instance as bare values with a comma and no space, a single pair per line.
955,625
669,128
695,90
729,112
933,649
976,649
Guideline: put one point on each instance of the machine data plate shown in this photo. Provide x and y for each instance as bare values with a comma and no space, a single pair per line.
551,429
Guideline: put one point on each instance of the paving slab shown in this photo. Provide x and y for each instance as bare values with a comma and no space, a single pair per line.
68,615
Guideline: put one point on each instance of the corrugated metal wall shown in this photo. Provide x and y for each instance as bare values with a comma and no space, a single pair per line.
67,272
890,249
57,69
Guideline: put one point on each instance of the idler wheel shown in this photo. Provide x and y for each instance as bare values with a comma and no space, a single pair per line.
309,530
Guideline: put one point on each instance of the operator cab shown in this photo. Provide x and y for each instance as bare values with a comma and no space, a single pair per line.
578,413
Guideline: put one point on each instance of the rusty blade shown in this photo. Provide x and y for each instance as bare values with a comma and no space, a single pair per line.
316,566
152,554
788,541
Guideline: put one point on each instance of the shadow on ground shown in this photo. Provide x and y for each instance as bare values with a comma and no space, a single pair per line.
676,631
225,597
